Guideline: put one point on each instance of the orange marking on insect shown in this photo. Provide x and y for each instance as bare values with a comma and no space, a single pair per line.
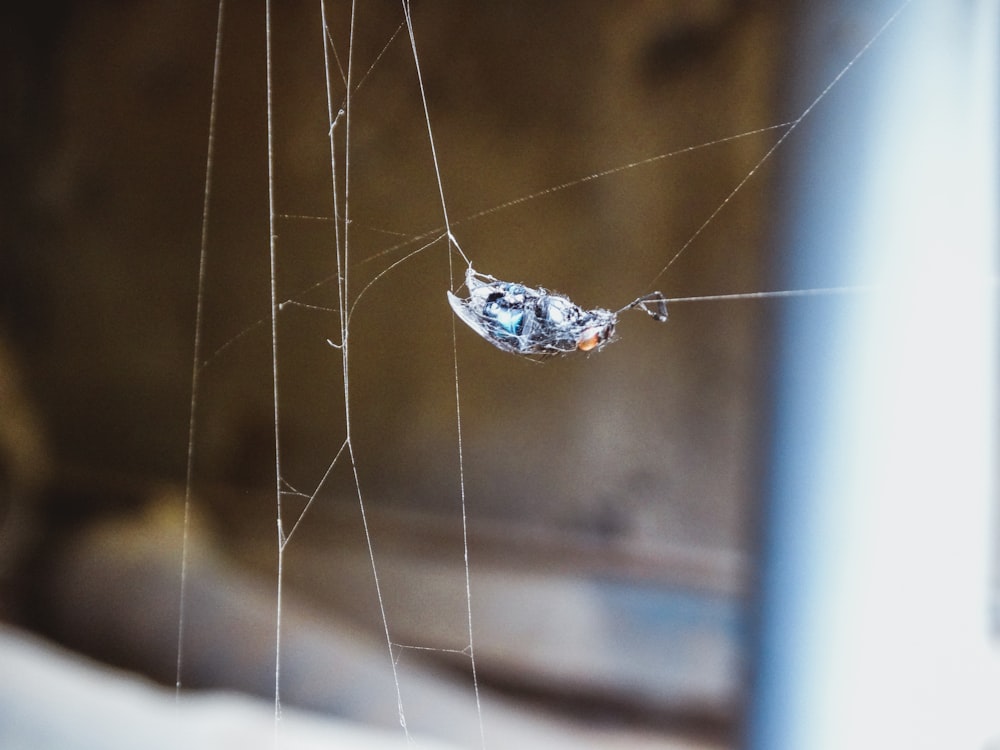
586,343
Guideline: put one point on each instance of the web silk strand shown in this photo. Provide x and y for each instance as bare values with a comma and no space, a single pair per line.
199,325
272,256
782,138
454,348
343,266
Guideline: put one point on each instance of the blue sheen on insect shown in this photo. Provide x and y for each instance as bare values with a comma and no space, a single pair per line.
510,320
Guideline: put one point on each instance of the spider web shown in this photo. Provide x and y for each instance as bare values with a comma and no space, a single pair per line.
337,266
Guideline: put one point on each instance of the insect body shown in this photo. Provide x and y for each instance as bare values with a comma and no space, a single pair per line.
528,320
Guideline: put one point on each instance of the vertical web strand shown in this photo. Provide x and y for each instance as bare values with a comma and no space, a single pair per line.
342,265
199,320
333,120
454,348
272,248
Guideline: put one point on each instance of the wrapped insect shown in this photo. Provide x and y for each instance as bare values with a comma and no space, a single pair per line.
528,320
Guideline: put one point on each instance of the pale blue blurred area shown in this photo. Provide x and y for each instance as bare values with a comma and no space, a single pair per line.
880,529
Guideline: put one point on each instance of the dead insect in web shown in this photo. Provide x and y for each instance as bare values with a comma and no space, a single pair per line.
528,320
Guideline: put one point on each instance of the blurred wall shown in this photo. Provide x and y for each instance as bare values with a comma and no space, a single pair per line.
651,439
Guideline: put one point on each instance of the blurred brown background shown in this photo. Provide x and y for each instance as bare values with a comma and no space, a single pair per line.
107,140
638,461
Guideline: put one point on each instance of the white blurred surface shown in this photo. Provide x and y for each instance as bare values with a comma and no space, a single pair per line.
877,630
50,699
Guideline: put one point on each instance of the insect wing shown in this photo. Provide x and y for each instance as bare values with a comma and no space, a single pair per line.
487,328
